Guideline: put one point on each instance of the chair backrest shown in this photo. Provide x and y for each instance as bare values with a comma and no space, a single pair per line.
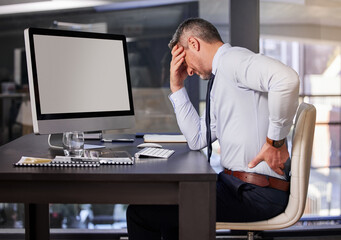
302,144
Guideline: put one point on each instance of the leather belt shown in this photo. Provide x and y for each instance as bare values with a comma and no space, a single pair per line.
260,180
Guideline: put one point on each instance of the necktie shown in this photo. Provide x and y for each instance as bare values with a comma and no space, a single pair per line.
208,118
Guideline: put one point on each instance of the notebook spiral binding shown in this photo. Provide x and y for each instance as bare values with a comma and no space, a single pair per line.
73,164
59,164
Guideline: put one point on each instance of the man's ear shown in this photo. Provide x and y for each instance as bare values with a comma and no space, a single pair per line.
193,43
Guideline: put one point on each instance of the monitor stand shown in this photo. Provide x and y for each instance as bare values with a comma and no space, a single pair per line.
55,141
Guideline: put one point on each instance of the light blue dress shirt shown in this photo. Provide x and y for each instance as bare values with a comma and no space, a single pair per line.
253,96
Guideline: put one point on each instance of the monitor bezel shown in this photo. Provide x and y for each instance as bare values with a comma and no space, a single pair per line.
38,117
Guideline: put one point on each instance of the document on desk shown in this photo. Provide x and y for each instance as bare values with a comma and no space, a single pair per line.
106,158
164,138
56,162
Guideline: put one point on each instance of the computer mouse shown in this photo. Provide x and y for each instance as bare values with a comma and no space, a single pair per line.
144,145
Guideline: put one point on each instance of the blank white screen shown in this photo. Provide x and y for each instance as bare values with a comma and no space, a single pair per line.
80,75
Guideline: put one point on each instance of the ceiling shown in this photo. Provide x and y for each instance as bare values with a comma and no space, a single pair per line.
306,19
325,12
27,6
9,2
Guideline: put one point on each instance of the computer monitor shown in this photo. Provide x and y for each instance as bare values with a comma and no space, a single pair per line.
78,81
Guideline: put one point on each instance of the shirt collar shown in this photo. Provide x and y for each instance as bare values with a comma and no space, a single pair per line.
217,56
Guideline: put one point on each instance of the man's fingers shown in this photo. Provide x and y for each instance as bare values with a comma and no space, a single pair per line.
279,171
176,50
180,56
179,60
178,71
255,162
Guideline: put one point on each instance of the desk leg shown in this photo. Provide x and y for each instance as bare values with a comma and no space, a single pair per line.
37,222
197,210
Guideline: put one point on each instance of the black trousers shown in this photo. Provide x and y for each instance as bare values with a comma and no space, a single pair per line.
237,201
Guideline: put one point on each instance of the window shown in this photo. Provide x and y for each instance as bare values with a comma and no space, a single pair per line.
318,65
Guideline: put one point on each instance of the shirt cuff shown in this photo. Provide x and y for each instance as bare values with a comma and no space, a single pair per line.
179,97
278,133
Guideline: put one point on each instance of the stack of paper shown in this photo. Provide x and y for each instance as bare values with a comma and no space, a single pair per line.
164,138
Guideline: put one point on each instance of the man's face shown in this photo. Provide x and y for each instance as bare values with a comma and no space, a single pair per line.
195,63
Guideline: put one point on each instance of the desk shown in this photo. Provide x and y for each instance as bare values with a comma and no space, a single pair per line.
185,179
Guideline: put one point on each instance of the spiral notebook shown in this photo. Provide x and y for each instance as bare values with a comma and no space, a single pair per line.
44,162
120,158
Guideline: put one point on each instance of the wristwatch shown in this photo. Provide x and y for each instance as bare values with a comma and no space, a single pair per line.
275,143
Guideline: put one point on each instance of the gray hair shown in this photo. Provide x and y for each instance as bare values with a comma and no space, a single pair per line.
199,28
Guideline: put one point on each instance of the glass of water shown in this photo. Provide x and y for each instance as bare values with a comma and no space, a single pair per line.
73,144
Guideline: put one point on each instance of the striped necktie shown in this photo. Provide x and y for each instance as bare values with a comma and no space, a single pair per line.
208,118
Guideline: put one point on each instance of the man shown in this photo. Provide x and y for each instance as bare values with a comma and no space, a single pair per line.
253,101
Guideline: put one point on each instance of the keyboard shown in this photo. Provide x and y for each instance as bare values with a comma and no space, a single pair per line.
154,152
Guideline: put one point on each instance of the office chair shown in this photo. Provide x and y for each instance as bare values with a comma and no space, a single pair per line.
302,143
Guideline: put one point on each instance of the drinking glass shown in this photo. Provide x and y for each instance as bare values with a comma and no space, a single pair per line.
73,143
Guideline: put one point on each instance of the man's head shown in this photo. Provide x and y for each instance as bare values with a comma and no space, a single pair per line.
196,27
200,41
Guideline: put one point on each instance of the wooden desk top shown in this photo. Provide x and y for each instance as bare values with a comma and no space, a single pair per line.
183,165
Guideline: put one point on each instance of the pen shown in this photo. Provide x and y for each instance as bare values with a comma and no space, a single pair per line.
81,159
118,140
